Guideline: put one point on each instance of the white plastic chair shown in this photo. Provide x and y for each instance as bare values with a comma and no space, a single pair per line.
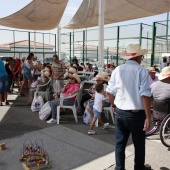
73,108
79,96
109,109
45,93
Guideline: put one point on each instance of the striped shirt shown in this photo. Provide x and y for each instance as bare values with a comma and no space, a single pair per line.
128,83
58,69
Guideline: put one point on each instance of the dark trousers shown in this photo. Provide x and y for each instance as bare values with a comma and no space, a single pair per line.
129,122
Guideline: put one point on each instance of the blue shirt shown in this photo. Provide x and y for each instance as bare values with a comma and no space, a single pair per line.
2,69
128,83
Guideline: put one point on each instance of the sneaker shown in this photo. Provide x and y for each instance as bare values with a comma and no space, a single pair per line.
91,132
52,121
106,125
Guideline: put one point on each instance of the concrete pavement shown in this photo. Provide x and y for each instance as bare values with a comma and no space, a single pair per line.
68,145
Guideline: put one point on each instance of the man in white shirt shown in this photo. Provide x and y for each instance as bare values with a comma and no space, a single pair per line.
129,84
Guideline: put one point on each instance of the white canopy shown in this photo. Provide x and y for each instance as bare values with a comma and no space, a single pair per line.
116,11
38,15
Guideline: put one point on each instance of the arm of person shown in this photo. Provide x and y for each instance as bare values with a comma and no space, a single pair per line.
147,106
74,92
111,99
103,104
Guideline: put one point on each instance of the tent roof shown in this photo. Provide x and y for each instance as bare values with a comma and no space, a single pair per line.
37,15
116,11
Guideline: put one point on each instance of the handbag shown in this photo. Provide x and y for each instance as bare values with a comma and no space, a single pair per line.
87,118
45,111
37,103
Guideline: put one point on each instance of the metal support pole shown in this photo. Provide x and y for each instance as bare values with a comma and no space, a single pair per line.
70,47
83,45
153,43
55,43
59,41
86,44
117,57
29,46
101,34
97,53
43,49
140,36
34,41
14,41
167,26
73,42
107,54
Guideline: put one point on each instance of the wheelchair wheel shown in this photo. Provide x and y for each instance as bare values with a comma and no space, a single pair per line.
165,131
154,125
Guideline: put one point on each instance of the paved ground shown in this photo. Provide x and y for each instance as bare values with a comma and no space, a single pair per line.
68,145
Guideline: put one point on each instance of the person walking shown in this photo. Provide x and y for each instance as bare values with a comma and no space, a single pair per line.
3,84
128,90
98,106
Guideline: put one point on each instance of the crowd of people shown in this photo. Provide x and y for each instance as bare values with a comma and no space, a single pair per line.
128,88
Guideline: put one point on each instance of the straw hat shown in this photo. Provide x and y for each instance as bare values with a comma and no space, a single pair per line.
74,65
106,76
99,76
165,73
132,51
151,69
67,64
72,70
76,77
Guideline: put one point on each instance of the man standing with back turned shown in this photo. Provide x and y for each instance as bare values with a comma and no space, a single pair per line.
129,84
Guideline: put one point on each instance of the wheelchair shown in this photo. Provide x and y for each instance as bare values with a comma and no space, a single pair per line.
161,119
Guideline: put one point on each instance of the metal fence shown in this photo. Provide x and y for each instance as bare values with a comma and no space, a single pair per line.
84,43
20,43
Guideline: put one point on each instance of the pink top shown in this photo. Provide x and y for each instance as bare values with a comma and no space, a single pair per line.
70,88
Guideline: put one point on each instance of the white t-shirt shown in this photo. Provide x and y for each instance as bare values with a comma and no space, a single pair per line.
98,101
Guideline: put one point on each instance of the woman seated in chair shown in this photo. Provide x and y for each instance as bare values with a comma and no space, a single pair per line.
45,74
71,88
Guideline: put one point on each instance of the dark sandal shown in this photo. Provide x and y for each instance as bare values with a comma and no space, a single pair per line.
6,103
1,104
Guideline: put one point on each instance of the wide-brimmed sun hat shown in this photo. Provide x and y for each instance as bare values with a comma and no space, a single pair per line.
76,77
99,76
74,65
165,73
72,70
106,76
132,51
67,64
151,69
